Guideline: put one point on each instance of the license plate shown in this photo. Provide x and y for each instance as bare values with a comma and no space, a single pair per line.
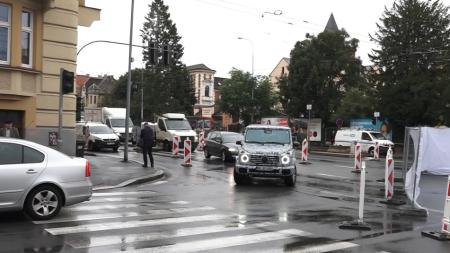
111,143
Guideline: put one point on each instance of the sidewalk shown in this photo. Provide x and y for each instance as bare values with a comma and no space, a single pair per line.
108,171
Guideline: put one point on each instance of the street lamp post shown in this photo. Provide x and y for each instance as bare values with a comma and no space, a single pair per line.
309,108
253,72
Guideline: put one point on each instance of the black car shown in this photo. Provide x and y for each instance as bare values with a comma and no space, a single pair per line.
222,144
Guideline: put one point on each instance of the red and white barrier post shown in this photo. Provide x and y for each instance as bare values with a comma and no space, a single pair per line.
358,159
359,224
389,176
376,151
444,234
175,146
187,153
389,179
305,152
201,140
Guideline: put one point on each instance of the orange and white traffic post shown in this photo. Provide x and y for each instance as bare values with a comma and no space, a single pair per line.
187,153
444,234
175,146
305,152
358,159
389,179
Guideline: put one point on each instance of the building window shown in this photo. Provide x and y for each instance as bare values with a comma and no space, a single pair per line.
95,100
5,33
282,70
90,100
207,91
27,38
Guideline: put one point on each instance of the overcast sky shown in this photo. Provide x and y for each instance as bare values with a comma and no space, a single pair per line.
209,31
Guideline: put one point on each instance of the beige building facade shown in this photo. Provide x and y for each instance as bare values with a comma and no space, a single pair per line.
281,69
202,80
37,38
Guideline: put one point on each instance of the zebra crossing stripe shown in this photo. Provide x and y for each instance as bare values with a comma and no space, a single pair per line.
102,216
327,247
223,242
102,194
321,248
132,224
106,207
124,239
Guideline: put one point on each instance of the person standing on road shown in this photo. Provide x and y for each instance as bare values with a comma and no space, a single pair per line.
9,131
147,139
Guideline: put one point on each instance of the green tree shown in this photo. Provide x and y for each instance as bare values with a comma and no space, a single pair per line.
236,96
412,67
321,69
169,83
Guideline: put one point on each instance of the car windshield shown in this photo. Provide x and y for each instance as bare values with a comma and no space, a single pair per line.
377,136
120,122
267,135
100,130
178,124
232,138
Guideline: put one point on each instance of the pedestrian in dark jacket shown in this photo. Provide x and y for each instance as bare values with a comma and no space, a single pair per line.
147,139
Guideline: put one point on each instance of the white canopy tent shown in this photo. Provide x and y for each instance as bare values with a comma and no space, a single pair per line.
430,150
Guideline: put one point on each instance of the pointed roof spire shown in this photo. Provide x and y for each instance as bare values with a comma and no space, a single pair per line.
331,25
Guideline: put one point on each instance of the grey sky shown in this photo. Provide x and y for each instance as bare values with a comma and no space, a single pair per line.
209,31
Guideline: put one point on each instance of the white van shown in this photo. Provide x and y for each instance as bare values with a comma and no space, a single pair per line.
174,124
367,139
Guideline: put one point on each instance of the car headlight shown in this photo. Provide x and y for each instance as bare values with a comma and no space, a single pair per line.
285,159
232,150
196,139
244,158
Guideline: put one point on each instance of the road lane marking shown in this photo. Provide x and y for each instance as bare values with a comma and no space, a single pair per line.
132,224
159,182
102,194
88,242
223,242
106,207
343,166
179,202
327,247
101,216
329,175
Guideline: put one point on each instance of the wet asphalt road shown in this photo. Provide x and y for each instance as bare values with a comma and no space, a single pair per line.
201,209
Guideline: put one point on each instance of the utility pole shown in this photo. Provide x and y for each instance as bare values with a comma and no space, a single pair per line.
127,114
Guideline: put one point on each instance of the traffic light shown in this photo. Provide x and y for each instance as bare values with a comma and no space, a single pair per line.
67,81
166,55
152,52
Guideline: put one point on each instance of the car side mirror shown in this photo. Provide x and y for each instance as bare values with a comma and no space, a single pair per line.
239,143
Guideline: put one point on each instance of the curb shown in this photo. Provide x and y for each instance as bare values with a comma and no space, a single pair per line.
159,173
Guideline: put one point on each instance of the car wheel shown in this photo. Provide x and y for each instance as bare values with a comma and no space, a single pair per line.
206,153
371,151
115,149
43,202
166,146
290,180
224,156
90,146
240,179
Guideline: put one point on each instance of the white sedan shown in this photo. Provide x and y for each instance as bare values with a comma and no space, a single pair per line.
40,180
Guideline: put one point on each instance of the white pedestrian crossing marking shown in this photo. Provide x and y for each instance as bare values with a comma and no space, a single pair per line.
132,224
106,207
101,216
179,202
327,247
223,242
132,238
101,194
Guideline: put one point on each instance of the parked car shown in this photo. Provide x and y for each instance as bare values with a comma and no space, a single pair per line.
222,144
98,136
40,180
267,151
